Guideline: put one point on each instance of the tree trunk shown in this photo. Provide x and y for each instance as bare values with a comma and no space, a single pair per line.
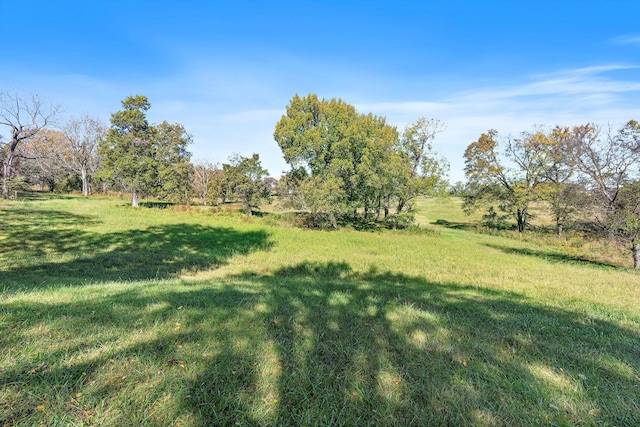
7,169
558,227
85,182
5,178
332,219
635,250
521,217
134,199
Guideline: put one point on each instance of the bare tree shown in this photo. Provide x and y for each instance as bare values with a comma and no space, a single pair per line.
610,164
80,148
608,161
25,116
41,158
208,182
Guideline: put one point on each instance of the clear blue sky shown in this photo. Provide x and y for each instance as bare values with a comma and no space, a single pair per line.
226,70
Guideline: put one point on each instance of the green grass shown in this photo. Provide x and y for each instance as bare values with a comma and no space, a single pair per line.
117,316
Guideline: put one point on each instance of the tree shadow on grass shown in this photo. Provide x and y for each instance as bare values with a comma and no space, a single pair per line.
554,256
455,225
320,344
389,349
43,195
33,237
36,232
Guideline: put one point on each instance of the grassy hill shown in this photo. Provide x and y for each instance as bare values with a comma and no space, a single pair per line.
117,316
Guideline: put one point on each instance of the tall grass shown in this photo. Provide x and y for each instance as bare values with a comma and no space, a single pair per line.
117,316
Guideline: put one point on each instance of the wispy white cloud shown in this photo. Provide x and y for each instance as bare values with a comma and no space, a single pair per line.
567,97
629,39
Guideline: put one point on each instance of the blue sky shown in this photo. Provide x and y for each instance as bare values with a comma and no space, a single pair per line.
227,70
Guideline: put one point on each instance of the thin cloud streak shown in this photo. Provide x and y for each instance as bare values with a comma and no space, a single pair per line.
631,39
565,98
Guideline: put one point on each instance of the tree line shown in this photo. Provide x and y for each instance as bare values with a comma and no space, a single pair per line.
345,167
585,174
130,155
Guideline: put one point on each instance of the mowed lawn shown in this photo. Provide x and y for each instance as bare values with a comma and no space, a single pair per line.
117,316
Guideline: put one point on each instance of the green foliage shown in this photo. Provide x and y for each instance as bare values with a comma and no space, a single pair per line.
624,221
513,182
344,164
175,170
17,184
244,177
145,159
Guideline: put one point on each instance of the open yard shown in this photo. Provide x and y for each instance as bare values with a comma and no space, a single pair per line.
111,315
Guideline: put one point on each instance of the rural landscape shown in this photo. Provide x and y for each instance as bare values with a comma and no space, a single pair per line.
138,287
320,213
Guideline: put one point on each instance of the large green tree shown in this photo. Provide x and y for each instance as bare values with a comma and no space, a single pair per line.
344,164
145,159
127,154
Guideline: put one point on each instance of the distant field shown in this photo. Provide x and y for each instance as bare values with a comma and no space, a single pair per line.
111,315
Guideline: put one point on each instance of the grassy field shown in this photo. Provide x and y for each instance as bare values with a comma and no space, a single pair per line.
117,316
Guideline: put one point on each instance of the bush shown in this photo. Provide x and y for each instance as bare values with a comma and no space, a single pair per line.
400,221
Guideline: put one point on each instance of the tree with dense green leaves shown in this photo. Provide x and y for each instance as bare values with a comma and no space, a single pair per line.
245,178
175,170
145,159
345,164
127,152
315,139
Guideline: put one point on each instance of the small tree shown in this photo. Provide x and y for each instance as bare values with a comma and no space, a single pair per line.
624,220
175,170
426,173
245,177
513,182
208,182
